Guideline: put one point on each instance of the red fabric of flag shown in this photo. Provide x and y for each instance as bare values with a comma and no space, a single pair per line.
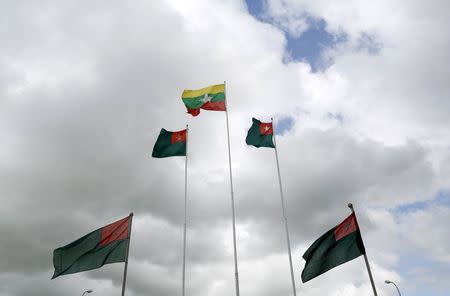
179,136
346,227
265,128
115,231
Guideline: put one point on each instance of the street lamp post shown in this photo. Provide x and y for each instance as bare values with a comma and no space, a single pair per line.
391,282
87,291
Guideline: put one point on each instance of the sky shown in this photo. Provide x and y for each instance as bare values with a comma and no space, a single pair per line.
359,93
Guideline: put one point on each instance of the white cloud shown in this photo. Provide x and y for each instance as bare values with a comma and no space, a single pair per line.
85,90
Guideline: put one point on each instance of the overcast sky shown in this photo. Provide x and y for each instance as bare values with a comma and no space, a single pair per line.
360,92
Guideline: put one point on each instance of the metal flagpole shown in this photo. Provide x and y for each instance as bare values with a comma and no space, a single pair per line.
365,256
236,273
126,261
284,212
185,213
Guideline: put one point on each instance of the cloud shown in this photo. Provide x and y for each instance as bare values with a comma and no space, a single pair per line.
86,89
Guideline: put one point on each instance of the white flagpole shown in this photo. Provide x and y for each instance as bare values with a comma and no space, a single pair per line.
284,212
236,273
126,261
365,256
185,214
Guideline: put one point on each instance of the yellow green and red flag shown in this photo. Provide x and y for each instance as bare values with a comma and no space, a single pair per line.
209,98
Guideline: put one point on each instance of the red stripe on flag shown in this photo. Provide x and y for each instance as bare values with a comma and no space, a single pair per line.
115,231
179,136
346,227
214,106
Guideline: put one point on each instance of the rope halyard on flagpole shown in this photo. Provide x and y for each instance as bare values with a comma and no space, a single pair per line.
183,288
350,205
284,211
125,269
236,272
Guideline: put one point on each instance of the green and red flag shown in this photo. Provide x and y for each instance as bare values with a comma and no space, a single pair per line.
337,246
106,245
260,134
170,144
209,98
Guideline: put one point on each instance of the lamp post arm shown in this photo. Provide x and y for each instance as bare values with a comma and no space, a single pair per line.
398,290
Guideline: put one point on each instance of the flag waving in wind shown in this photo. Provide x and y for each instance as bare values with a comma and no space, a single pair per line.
337,246
108,244
260,134
209,98
170,144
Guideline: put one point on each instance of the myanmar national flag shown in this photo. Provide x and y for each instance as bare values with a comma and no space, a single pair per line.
339,245
208,98
106,245
260,134
170,144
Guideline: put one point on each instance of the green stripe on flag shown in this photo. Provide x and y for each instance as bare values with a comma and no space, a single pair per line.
197,102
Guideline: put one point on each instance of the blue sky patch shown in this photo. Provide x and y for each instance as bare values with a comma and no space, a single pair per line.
255,7
412,207
308,47
414,268
284,124
442,198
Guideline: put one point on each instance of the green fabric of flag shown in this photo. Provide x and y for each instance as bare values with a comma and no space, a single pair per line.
170,144
337,246
260,134
105,245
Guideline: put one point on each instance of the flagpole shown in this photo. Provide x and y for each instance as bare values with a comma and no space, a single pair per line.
236,273
126,261
185,213
365,256
284,212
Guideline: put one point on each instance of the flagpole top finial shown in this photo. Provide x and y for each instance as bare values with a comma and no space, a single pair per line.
131,214
350,205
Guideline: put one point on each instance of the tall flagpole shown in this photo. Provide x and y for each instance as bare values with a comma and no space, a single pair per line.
185,213
365,256
236,273
126,261
284,212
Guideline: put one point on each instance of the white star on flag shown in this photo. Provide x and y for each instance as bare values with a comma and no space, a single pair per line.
206,98
266,128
